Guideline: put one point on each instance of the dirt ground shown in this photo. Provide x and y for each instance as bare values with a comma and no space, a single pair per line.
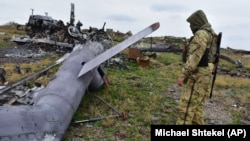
219,110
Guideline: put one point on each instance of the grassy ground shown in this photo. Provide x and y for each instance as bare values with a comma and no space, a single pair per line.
143,95
6,33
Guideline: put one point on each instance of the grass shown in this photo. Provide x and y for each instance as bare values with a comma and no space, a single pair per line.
6,33
229,82
142,94
29,68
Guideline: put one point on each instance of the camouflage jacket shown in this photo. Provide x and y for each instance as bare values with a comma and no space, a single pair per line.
196,48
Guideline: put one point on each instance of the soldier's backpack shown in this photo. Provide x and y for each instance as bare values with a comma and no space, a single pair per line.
214,47
213,55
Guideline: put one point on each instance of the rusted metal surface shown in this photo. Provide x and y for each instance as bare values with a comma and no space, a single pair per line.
143,61
134,53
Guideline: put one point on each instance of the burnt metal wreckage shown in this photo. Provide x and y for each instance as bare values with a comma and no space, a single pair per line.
175,48
54,106
43,29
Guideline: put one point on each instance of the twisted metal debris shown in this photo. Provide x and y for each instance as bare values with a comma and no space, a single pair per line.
55,105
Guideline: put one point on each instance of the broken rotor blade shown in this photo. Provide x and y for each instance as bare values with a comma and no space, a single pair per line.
117,48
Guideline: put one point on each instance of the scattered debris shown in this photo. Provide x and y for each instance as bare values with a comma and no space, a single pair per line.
46,30
96,119
143,61
52,107
134,53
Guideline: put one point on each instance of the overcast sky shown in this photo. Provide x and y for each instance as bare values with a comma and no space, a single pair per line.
227,16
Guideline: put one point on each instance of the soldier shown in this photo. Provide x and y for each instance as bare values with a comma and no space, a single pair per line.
196,74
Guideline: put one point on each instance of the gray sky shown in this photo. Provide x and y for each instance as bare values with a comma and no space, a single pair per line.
226,16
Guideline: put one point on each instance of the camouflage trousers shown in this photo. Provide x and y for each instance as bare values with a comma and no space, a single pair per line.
193,97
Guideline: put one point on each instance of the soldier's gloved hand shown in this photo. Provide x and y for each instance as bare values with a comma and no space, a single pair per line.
180,81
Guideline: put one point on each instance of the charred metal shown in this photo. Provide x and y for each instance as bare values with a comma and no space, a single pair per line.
49,113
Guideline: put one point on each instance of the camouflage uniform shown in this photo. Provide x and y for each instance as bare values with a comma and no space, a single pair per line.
196,72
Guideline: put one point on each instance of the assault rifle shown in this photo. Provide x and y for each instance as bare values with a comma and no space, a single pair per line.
216,62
